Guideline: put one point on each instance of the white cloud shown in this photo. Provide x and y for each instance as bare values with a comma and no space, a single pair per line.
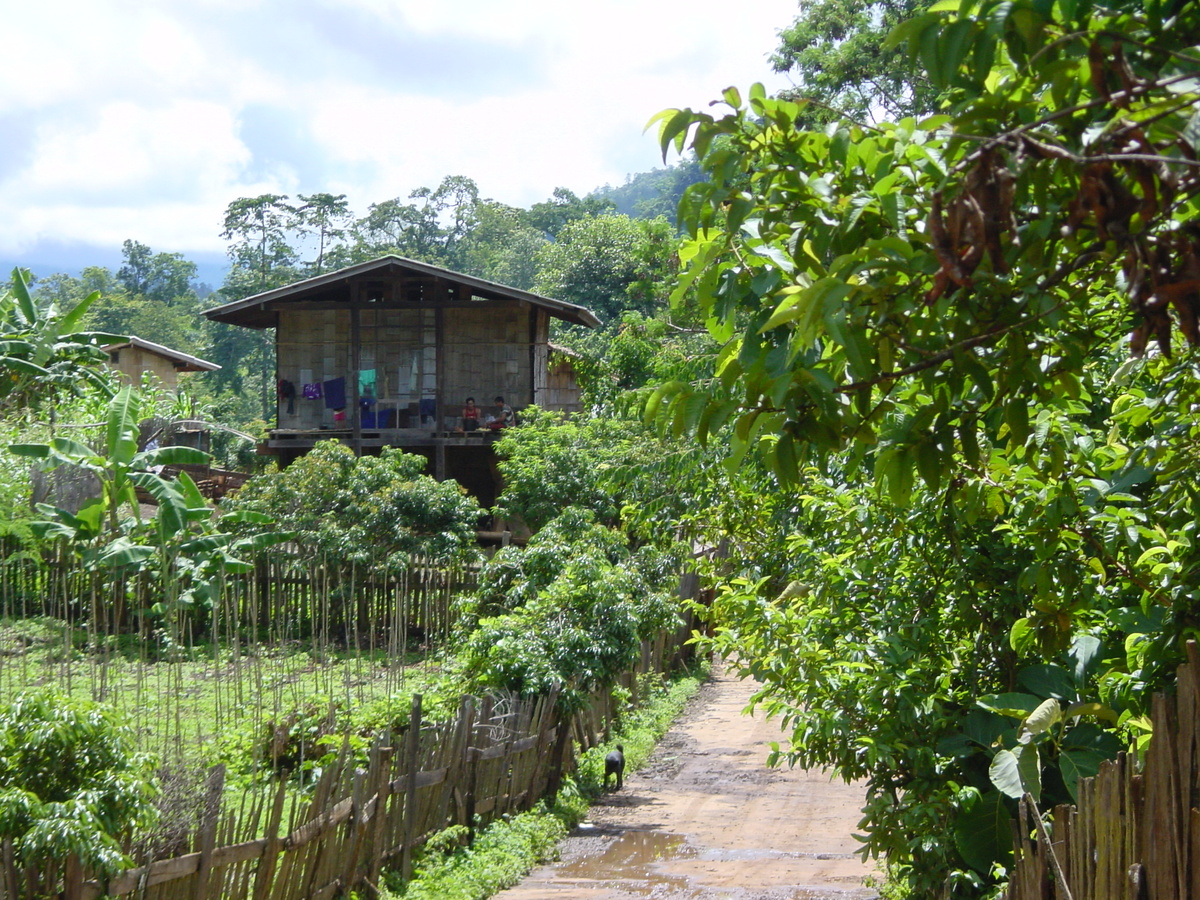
145,120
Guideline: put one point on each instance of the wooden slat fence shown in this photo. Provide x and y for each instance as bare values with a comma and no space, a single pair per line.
495,757
1133,835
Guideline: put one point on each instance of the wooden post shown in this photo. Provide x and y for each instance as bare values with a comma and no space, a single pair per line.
412,760
266,866
356,826
383,791
355,411
462,759
208,828
7,857
73,878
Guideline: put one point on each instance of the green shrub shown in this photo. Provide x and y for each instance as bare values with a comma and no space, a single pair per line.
70,785
378,510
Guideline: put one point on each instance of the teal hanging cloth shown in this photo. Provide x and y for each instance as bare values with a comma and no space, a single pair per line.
366,383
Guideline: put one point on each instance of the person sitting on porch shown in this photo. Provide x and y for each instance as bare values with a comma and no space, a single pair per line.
470,415
503,417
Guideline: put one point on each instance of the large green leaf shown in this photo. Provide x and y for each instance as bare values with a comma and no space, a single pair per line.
24,366
1049,681
33,451
982,833
123,552
1076,763
122,429
25,305
171,456
1018,771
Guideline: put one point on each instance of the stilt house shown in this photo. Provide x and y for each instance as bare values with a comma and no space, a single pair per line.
384,353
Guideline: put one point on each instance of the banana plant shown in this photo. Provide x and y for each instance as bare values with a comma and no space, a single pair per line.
40,343
181,546
119,460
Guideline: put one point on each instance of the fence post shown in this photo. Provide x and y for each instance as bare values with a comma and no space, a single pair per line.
208,828
412,760
270,857
356,827
383,791
73,878
462,761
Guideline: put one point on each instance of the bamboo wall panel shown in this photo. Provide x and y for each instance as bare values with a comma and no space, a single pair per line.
487,352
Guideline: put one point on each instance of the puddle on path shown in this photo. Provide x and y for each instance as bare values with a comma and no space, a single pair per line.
631,864
629,859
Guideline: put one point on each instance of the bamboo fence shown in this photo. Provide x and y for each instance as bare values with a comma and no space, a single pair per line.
1133,835
488,761
287,596
496,757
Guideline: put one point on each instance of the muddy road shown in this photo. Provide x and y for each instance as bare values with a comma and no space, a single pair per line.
707,819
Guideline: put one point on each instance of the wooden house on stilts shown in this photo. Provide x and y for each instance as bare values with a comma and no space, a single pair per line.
384,353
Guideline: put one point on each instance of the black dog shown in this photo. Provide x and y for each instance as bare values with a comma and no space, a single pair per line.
614,764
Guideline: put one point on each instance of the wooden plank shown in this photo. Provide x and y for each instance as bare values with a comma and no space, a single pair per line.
412,756
357,829
318,826
383,762
429,779
208,829
236,853
494,752
265,875
524,744
156,873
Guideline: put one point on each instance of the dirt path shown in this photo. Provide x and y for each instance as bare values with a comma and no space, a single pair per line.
707,819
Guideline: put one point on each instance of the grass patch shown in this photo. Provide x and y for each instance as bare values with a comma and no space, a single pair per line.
504,852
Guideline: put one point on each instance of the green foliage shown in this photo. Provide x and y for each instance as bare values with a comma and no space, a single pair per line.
164,278
649,195
70,784
44,348
551,463
568,610
609,264
499,858
564,207
845,66
920,328
379,510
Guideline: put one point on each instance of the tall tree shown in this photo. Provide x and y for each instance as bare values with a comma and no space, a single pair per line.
501,246
259,230
326,216
838,51
920,324
609,263
563,207
431,230
135,271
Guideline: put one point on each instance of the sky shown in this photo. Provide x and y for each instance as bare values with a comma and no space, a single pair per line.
144,119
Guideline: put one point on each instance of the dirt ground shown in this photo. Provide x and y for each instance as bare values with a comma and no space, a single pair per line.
707,819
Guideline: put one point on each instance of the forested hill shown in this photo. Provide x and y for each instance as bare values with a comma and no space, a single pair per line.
654,193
